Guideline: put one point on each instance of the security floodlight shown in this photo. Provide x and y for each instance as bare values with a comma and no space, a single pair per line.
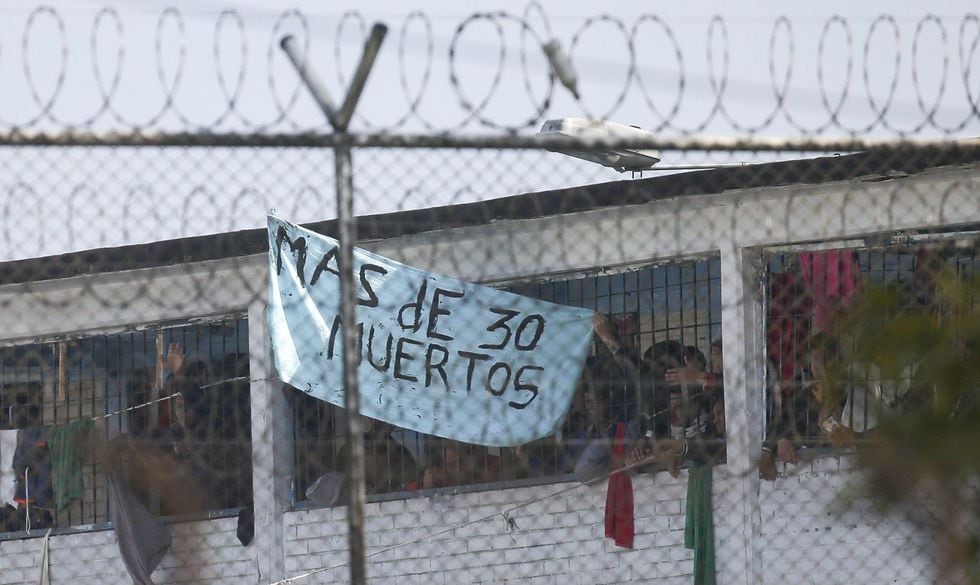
636,160
561,66
591,129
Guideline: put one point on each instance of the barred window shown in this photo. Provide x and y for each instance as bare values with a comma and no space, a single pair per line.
666,315
180,439
810,403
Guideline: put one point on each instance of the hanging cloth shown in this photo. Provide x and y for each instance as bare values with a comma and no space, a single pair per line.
833,277
45,578
788,323
699,533
619,495
246,525
8,478
69,446
143,538
32,452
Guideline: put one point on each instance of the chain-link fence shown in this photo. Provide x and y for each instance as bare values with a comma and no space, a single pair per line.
753,363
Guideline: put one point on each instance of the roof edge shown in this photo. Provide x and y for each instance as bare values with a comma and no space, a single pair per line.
530,205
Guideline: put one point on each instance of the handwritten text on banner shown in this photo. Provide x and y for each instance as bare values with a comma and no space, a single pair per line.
437,355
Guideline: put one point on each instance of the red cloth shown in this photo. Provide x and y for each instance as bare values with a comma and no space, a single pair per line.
789,322
619,495
833,277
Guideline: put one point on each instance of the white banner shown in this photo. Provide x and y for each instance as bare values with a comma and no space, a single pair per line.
437,355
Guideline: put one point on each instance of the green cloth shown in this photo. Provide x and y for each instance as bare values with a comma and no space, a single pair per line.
69,446
699,533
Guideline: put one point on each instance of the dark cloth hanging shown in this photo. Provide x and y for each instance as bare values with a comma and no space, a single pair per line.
699,533
32,464
143,539
246,525
69,445
18,519
619,495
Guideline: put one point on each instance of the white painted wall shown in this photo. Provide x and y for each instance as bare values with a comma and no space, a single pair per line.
813,535
784,531
559,538
807,536
202,552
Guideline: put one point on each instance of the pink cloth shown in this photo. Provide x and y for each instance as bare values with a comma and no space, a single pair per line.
833,277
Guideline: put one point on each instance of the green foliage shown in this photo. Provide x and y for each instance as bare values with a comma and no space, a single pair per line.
925,451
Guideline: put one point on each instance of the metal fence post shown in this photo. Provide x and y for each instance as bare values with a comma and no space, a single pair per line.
343,174
348,314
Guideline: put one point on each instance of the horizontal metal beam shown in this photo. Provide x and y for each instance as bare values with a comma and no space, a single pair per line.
473,141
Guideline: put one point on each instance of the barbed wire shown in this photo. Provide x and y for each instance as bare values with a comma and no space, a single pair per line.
140,152
869,77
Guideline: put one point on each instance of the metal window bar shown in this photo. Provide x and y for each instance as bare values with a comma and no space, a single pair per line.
637,297
84,377
890,263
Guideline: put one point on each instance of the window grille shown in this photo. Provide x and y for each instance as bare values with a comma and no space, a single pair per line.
120,382
798,347
677,301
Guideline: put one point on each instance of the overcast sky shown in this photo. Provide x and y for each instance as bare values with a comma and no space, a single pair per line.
93,198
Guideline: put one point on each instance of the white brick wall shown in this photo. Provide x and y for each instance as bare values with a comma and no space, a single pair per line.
808,536
205,553
813,533
559,540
